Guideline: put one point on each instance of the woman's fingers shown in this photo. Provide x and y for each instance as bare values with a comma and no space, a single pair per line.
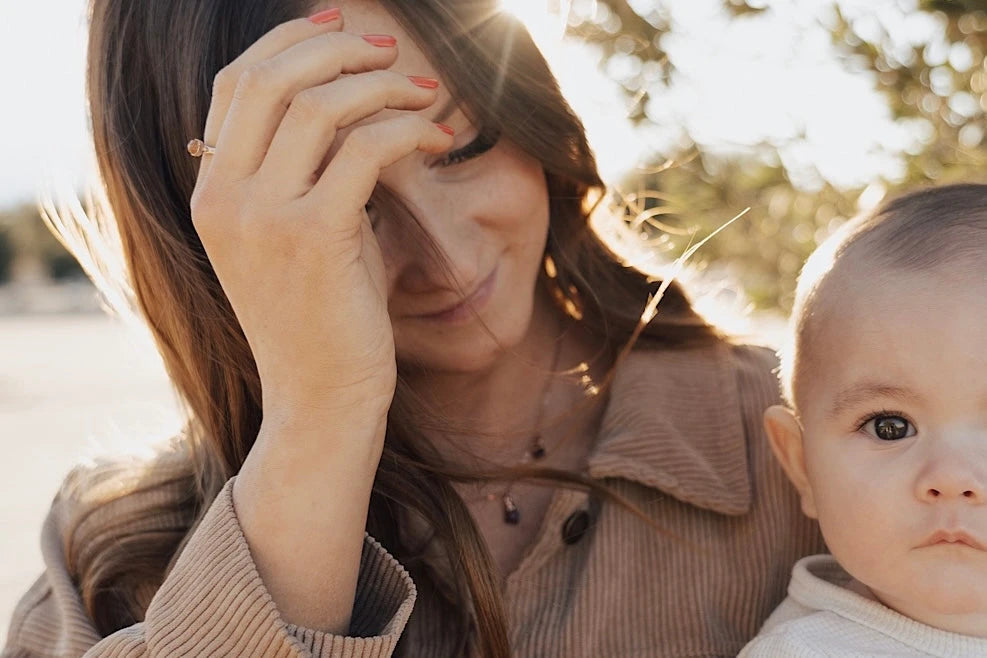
268,88
277,40
311,122
350,178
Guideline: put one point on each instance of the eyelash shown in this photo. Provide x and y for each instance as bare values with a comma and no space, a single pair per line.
882,414
483,143
480,145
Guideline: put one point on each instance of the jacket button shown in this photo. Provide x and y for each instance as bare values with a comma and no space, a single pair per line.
575,527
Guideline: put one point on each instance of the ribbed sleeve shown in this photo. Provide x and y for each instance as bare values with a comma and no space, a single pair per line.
213,603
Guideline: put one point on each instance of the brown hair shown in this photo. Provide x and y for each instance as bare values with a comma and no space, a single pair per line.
913,232
150,71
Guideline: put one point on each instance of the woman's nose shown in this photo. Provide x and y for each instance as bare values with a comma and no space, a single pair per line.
433,246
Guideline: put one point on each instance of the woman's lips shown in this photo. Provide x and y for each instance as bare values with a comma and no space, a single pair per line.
465,309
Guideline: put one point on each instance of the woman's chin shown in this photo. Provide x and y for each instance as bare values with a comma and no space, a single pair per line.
475,353
470,349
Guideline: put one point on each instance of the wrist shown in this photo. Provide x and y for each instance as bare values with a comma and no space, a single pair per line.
315,444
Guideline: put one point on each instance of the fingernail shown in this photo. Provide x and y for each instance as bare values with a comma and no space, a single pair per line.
444,128
326,15
427,83
380,40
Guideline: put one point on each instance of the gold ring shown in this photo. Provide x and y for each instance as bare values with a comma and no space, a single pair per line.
198,148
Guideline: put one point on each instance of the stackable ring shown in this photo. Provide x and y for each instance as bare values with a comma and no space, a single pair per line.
198,148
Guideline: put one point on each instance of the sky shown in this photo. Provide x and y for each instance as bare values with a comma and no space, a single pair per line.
738,83
43,126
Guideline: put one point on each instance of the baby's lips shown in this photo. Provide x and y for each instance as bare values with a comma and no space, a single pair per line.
954,537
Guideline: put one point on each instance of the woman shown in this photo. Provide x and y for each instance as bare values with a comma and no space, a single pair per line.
414,425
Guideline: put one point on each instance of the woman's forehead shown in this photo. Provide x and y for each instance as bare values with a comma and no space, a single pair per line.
364,17
367,17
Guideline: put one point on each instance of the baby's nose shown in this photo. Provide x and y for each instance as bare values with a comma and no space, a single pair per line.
974,495
958,481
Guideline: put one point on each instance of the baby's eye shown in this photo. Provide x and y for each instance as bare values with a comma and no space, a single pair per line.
889,427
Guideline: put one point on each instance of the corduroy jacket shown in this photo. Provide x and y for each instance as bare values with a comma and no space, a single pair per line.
681,438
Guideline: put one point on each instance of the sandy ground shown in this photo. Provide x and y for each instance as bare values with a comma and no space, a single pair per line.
71,386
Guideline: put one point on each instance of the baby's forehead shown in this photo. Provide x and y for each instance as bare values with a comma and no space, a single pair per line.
865,311
860,279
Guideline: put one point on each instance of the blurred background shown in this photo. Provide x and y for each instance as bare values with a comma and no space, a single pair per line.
805,111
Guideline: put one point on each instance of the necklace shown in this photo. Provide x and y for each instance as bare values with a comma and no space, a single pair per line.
535,452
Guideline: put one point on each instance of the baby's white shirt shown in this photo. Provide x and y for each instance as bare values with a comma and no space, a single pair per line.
826,615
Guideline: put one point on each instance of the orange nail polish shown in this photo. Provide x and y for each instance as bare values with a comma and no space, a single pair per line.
427,83
326,15
380,40
444,128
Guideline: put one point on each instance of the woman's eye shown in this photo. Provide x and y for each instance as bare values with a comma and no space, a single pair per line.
889,427
483,143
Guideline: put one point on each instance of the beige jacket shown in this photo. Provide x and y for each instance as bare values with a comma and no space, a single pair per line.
681,438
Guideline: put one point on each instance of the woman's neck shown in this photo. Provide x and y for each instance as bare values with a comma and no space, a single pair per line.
497,410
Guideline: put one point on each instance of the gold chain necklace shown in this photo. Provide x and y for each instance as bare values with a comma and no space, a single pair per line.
536,451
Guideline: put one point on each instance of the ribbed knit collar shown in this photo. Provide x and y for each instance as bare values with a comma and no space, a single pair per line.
674,423
820,583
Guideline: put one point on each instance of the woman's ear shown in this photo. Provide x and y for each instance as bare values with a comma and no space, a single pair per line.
785,435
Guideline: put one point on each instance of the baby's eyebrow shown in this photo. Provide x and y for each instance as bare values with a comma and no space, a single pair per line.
866,390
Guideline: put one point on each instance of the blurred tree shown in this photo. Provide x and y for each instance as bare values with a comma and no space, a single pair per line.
26,242
935,83
938,86
6,253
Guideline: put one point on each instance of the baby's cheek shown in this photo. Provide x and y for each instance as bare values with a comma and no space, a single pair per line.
857,516
847,500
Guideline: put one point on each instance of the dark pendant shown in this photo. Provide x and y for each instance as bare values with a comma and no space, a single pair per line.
538,451
512,514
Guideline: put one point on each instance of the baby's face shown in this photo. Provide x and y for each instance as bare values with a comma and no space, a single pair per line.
895,438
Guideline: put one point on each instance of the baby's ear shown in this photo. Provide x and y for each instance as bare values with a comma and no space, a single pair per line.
785,436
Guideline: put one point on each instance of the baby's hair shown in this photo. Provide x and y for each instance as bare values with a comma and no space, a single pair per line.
919,231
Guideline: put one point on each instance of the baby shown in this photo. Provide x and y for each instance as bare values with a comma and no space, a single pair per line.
886,438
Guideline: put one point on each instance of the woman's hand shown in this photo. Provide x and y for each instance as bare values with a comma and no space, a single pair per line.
280,211
280,208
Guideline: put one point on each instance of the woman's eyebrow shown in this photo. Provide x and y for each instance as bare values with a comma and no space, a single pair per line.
866,390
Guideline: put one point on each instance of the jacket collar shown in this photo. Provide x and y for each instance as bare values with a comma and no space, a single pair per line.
674,423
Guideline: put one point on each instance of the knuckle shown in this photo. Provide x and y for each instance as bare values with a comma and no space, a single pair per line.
202,206
360,144
394,85
210,203
415,123
336,40
224,82
284,32
254,79
305,106
383,77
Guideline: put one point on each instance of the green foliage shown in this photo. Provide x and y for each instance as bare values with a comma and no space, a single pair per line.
939,87
936,88
764,250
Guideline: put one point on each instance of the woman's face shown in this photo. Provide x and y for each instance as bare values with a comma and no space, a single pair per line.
487,214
